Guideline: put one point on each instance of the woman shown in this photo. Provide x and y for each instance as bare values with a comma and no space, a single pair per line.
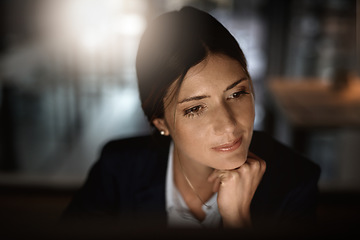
206,167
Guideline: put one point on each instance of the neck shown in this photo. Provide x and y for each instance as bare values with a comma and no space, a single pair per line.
191,178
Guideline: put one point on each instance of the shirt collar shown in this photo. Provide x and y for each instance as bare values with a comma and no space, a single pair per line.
175,202
170,179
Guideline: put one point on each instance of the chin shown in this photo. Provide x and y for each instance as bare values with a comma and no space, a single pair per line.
234,164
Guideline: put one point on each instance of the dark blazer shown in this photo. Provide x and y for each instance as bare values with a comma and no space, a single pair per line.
129,180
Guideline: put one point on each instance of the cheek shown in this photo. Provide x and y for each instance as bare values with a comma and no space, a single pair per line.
244,113
192,138
191,132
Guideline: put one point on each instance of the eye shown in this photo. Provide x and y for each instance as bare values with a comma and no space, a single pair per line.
238,94
193,110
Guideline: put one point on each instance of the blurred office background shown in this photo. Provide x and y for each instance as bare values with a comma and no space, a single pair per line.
68,85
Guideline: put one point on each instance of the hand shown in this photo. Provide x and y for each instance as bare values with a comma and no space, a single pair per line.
236,189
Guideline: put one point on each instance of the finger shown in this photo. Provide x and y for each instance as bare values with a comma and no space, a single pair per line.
216,185
214,175
251,161
253,155
255,164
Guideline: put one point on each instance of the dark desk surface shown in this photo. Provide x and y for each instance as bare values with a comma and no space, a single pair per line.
313,103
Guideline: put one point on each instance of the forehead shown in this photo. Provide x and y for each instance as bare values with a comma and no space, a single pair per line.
215,72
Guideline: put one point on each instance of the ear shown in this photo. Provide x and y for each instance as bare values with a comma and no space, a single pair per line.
161,125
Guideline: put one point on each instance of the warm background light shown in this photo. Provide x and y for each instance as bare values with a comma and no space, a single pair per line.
68,86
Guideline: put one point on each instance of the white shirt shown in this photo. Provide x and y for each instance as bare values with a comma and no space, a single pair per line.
178,212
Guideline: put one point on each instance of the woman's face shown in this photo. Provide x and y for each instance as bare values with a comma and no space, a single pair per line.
211,119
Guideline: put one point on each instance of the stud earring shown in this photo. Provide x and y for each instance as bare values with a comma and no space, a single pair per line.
162,132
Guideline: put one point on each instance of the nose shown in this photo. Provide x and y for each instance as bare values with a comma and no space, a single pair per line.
224,120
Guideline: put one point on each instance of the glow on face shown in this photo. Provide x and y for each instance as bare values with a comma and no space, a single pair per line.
211,119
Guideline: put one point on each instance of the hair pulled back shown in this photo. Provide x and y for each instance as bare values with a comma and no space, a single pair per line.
172,44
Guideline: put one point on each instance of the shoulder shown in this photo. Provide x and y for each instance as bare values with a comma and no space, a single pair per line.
116,181
288,189
136,144
283,162
133,150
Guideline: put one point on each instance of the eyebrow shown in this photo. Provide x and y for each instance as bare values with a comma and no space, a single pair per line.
235,83
194,98
207,96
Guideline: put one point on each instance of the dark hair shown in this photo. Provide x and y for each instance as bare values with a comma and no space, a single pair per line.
172,44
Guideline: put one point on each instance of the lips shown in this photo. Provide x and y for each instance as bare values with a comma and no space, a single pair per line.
229,147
